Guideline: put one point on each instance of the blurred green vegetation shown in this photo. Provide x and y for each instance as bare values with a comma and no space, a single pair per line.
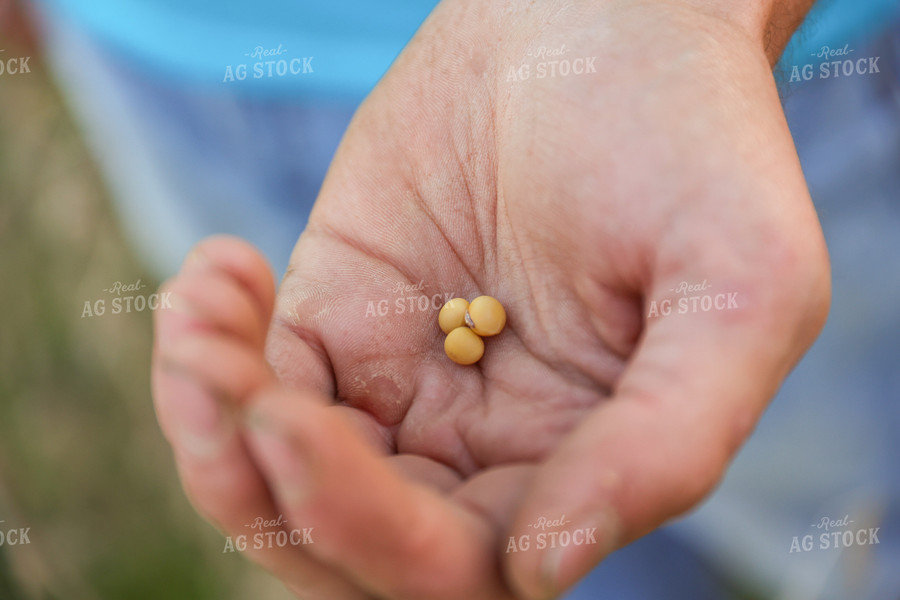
82,461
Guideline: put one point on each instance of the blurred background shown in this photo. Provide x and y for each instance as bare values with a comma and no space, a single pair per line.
83,467
82,461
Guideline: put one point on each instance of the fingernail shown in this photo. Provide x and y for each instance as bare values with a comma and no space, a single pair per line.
195,259
281,455
589,542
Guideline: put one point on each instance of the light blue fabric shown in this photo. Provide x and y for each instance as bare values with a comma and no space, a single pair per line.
836,23
183,164
351,42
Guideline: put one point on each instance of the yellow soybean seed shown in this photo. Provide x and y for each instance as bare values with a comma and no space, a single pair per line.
453,314
463,346
486,316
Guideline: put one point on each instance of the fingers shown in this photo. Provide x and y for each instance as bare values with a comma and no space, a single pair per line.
207,360
690,397
243,263
225,289
497,493
393,538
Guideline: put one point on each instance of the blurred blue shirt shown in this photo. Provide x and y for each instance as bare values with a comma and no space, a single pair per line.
838,22
348,44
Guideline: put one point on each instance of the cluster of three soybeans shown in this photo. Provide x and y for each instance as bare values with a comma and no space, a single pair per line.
465,323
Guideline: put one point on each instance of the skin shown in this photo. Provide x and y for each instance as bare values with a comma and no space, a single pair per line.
576,201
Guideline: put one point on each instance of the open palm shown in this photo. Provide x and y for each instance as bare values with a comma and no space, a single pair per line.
584,203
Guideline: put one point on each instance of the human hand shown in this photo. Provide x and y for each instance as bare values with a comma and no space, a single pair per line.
578,201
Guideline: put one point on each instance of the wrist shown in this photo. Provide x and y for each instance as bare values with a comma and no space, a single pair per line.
771,23
767,24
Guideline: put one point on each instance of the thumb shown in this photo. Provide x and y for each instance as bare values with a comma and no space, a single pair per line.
695,388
